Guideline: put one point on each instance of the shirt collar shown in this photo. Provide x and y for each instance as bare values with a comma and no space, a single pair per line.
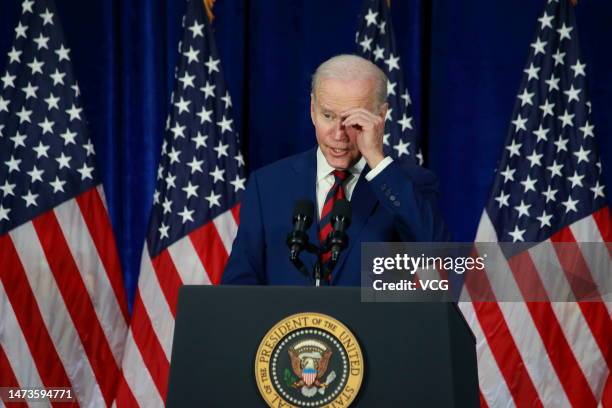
324,169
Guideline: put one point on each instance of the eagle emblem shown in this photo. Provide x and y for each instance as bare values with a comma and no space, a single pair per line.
309,362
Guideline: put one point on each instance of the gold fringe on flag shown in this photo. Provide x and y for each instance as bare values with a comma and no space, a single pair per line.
208,5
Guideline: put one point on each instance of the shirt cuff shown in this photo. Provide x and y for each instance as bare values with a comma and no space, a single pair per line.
376,170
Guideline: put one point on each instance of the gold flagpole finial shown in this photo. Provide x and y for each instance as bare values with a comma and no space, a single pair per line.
208,5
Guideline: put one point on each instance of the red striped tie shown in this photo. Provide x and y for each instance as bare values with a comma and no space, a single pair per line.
336,192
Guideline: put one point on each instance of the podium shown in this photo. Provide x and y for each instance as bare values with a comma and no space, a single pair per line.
414,354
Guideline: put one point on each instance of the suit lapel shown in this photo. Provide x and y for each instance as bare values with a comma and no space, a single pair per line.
304,187
363,202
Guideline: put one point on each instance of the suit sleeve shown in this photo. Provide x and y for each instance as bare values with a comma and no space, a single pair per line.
246,263
410,193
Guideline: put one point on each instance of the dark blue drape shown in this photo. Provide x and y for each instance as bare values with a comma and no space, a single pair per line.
463,63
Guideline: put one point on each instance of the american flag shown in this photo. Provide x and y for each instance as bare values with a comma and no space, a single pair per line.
376,42
63,311
195,209
548,190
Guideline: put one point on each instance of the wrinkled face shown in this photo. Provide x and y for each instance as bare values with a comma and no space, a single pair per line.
327,110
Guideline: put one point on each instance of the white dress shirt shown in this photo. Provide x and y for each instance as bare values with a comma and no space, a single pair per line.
325,177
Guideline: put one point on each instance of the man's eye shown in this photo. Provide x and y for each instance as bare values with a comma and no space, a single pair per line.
327,115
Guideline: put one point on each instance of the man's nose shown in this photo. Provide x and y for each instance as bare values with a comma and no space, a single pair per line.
340,131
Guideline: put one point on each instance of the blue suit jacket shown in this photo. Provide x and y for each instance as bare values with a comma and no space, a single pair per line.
399,204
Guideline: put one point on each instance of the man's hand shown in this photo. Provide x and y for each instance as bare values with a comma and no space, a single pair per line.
369,129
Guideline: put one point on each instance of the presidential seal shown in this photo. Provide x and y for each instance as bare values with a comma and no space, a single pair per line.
309,360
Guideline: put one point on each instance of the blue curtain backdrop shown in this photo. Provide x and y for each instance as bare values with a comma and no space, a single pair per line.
463,62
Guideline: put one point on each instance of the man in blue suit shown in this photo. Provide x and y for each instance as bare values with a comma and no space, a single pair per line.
391,200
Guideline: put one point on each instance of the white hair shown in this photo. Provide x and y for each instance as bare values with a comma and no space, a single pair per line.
351,67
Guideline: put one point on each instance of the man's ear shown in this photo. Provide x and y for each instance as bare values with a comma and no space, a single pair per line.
383,110
312,108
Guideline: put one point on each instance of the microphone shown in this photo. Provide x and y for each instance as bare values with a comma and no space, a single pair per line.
297,239
337,240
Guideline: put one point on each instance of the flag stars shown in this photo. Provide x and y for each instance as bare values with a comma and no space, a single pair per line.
529,184
371,17
238,183
225,124
41,150
62,53
522,209
239,159
186,215
12,164
74,112
42,41
532,72
26,6
517,234
195,165
519,123
227,99
170,181
174,156
190,190
402,148
561,144
58,77
572,94
553,82
379,53
213,200
86,172
221,149
178,130
578,69
68,137
564,32
30,91
200,140
538,47
567,119
24,115
534,159
570,205
58,185
366,44
30,199
555,169
513,148
182,106
502,199
508,174
20,30
391,87
546,21
558,57
8,80
196,30
547,108
576,179
205,115
47,17
406,97
167,205
587,130
89,149
36,66
392,63
4,212
46,126
212,65
163,231
597,190
582,155
541,133
52,101
550,194
405,122
35,174
14,55
192,55
209,90
217,174
63,161
18,140
8,189
544,219
526,97
187,80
